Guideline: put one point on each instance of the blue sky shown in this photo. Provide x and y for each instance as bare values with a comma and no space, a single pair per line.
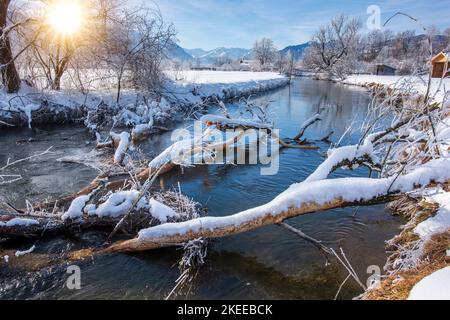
238,23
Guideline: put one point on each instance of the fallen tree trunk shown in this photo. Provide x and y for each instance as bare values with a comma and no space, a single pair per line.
300,199
157,242
21,227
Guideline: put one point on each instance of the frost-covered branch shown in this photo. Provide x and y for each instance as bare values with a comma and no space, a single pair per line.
11,178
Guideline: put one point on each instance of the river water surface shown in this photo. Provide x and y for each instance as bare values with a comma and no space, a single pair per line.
268,263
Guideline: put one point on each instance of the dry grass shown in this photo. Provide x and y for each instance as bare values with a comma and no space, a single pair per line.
431,255
399,285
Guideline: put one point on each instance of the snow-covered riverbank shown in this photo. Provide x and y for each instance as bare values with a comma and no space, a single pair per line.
422,250
412,84
193,87
31,106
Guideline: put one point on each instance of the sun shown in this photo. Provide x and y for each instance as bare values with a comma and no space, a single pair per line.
65,17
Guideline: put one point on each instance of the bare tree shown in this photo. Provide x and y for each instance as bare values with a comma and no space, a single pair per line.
10,76
333,49
136,45
279,62
264,52
374,42
446,35
51,50
404,44
285,63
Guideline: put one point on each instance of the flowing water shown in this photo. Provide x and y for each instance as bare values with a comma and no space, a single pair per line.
268,263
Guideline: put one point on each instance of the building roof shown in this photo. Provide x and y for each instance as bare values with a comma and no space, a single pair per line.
385,65
441,57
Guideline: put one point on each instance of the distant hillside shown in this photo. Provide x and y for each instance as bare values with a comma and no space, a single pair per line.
197,52
178,53
298,51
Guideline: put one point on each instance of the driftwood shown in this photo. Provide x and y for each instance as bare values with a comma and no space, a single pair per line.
305,127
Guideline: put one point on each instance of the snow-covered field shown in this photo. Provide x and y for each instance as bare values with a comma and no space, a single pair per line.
228,77
419,84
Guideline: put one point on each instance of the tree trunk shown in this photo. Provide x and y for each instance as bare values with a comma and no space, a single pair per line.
225,230
10,76
56,85
119,86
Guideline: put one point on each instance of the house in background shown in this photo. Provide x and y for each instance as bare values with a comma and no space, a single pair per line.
441,65
384,70
246,65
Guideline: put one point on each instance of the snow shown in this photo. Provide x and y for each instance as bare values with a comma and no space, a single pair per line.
118,204
441,221
317,192
16,222
76,208
174,153
23,253
28,109
433,287
310,121
124,144
161,211
131,111
443,136
224,85
337,156
140,130
419,84
224,77
188,152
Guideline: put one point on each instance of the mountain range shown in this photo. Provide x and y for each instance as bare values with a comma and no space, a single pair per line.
209,57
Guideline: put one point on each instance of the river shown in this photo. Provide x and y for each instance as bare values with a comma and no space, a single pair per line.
268,263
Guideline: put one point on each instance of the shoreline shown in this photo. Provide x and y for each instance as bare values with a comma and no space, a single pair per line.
412,256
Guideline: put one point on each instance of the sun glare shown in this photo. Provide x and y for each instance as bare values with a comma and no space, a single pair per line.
65,16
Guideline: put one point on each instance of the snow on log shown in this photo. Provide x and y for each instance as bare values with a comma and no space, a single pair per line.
161,211
336,157
121,143
299,199
76,208
141,132
18,222
219,121
309,122
118,204
186,153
